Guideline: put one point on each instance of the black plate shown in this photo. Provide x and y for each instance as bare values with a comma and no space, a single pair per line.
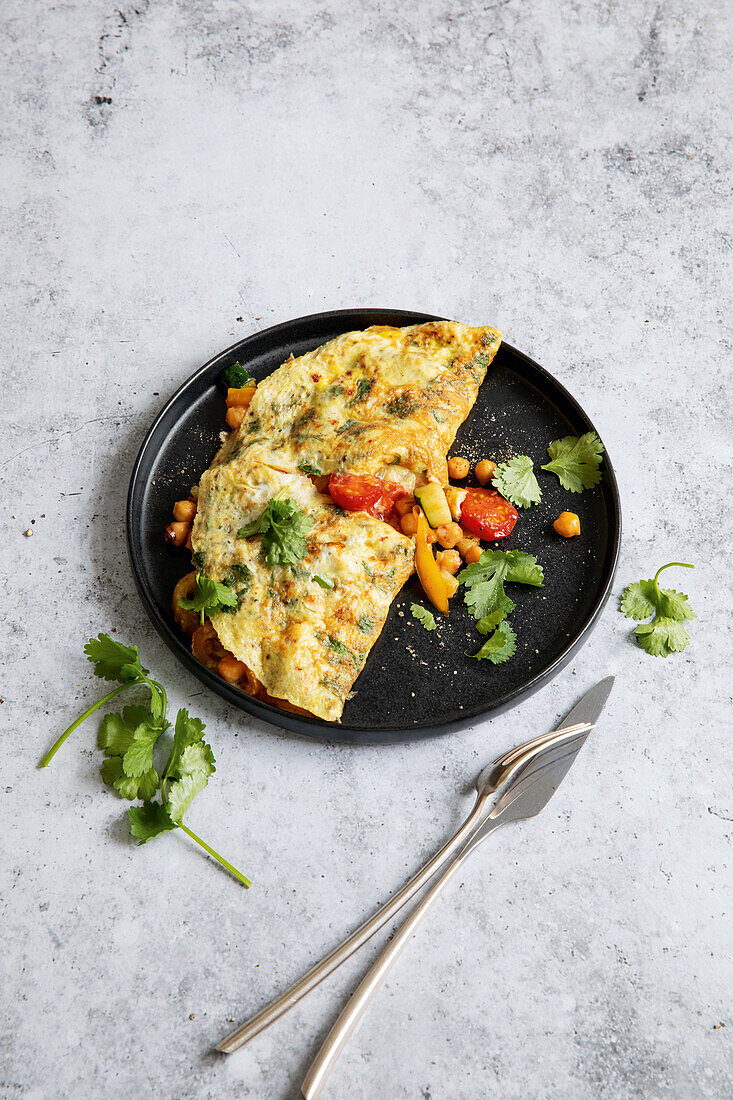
415,683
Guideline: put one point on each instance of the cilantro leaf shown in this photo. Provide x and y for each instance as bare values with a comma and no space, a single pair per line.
236,376
193,768
129,787
484,580
665,634
128,740
187,731
114,661
491,621
516,481
148,821
210,596
576,461
282,526
423,616
500,646
637,600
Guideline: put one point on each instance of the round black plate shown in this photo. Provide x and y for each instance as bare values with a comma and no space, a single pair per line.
415,683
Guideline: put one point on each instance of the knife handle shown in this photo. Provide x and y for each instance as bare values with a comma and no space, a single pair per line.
277,1008
359,1001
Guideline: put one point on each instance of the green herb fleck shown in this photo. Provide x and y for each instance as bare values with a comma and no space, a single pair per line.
423,616
363,389
402,406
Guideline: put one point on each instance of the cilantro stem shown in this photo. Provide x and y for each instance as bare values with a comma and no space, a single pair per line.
215,855
82,717
682,565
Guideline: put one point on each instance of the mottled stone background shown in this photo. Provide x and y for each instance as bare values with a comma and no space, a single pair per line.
179,173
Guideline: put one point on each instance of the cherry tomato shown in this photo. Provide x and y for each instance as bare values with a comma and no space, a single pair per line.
384,507
487,514
355,492
366,493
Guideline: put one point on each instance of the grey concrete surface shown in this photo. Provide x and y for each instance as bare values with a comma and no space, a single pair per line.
179,173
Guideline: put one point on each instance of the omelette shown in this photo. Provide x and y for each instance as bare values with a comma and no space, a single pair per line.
313,581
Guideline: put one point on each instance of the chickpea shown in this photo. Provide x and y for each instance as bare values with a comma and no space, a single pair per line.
184,510
451,584
241,397
189,543
449,535
472,556
404,505
458,467
408,523
230,669
485,470
465,545
321,482
176,533
235,416
567,524
449,560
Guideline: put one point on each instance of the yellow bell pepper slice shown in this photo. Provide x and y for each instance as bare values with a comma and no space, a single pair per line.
428,569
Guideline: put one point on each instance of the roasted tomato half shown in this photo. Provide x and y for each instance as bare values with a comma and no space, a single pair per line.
486,513
365,493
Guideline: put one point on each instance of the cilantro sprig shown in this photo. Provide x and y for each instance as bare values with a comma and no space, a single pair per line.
665,634
130,740
576,460
113,661
282,526
516,481
209,597
488,601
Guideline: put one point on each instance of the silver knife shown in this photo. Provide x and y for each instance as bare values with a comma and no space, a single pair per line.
584,714
530,788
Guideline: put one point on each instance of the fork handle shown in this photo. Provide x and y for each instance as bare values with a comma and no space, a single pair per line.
321,970
359,1001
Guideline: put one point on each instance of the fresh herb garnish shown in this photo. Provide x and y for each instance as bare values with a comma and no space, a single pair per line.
129,740
363,389
423,616
307,468
366,626
236,376
500,646
488,602
113,661
665,634
282,526
484,581
516,481
576,461
501,643
210,597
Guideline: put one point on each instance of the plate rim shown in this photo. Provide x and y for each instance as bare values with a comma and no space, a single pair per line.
317,728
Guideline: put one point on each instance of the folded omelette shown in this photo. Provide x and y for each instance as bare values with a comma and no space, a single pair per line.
385,402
